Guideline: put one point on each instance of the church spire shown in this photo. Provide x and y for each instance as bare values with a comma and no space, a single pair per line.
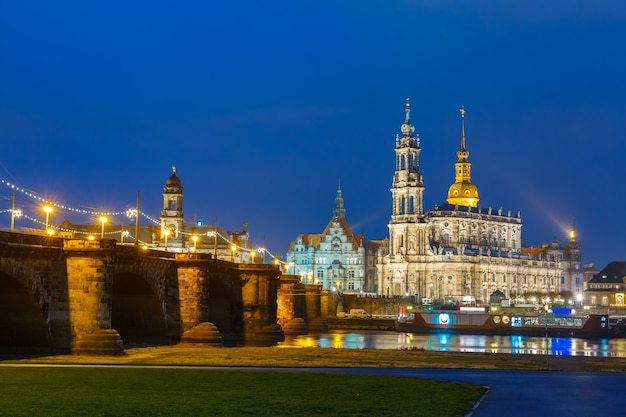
462,127
462,153
407,127
339,211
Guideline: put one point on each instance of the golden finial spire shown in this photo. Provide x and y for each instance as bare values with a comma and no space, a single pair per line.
173,169
462,110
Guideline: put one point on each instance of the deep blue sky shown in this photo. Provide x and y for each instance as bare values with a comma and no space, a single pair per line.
264,107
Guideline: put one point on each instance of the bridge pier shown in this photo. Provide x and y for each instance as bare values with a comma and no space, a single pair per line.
90,268
259,289
193,289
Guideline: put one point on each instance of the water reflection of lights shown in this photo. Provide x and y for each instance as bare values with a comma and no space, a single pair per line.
443,341
460,343
471,343
405,340
561,346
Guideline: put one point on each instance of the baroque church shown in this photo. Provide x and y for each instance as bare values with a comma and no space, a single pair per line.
459,251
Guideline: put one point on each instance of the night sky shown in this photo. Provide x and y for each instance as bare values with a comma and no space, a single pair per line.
265,108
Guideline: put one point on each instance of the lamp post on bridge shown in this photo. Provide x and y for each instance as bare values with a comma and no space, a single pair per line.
103,220
166,233
47,209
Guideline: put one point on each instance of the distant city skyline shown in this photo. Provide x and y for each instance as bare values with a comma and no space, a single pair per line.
266,109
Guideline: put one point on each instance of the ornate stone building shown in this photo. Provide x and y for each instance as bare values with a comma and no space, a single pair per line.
458,250
336,259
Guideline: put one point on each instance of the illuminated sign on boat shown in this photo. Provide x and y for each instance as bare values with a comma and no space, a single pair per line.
469,308
516,321
444,318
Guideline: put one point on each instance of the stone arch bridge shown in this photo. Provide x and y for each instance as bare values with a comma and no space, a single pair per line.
54,292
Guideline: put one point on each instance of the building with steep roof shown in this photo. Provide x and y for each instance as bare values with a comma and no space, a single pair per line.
336,259
458,250
607,288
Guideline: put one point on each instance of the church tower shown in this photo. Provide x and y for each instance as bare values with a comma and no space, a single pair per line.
408,241
463,192
407,189
172,217
407,192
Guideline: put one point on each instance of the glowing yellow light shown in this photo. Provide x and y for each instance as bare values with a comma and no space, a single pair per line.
91,237
50,232
103,220
166,233
48,209
195,242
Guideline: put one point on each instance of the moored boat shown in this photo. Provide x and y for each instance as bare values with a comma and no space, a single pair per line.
477,322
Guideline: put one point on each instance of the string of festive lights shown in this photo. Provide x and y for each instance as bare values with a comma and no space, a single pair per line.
43,200
147,216
131,213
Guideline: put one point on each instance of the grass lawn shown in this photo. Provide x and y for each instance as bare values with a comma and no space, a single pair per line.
42,391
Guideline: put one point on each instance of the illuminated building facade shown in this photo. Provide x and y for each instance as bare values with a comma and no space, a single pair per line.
607,288
459,250
336,259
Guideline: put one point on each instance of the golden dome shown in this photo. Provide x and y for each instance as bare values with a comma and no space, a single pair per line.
463,194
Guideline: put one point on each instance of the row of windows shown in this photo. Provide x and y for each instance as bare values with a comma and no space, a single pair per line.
524,280
605,286
322,261
351,274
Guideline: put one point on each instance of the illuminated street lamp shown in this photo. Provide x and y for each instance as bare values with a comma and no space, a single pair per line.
166,233
195,242
252,253
103,220
233,248
50,232
48,210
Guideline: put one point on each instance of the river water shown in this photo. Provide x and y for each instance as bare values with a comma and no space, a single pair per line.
364,339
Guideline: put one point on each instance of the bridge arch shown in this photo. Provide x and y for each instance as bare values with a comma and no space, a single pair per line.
137,311
22,321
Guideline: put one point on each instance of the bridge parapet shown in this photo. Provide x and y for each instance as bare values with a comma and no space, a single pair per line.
21,239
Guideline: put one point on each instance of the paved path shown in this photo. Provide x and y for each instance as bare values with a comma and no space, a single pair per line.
531,393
